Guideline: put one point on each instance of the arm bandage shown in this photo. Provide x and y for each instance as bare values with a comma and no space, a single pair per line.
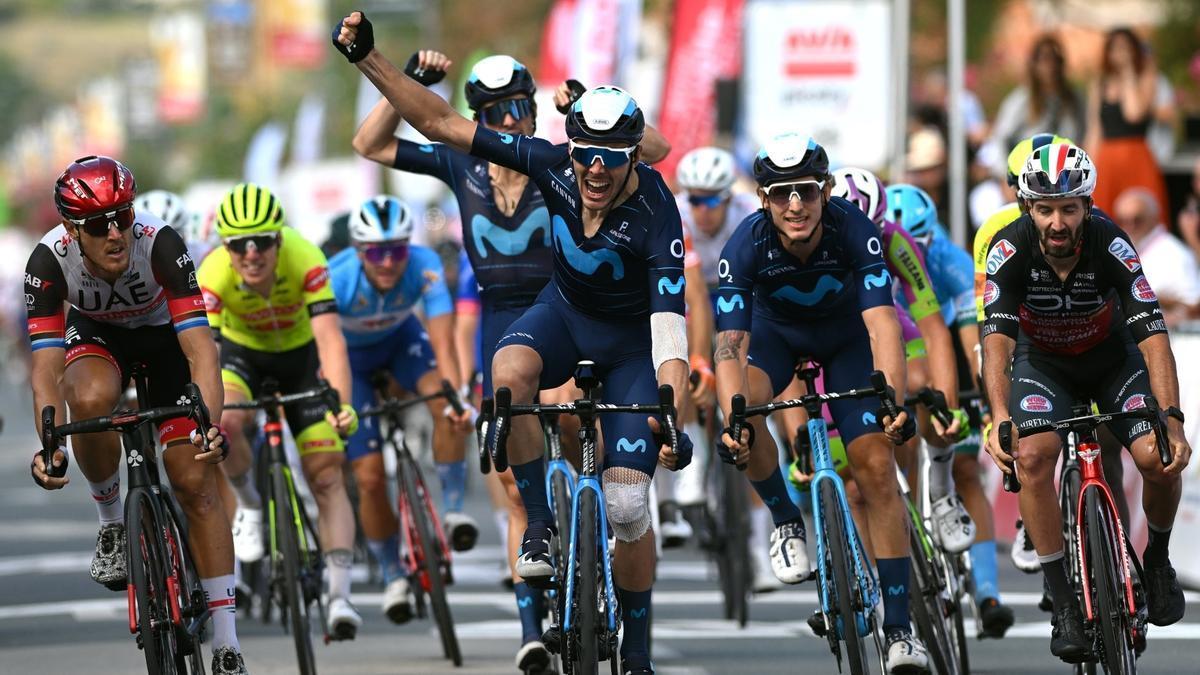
668,338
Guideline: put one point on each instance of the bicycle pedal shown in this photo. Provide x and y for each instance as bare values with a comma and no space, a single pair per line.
552,639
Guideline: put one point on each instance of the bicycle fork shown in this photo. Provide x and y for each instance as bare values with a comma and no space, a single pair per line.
591,483
1093,478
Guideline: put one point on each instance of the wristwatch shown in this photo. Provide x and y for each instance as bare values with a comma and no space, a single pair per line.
1176,413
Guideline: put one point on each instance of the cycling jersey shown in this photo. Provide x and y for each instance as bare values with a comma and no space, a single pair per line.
708,248
510,254
369,316
983,243
950,270
281,321
466,297
1104,301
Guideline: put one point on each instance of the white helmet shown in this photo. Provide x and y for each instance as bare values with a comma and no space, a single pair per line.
706,168
1056,171
864,189
169,208
381,218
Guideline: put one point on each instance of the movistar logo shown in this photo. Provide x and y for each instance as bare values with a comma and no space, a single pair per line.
586,262
426,148
525,602
868,418
667,287
897,590
638,613
825,285
507,139
877,280
523,483
726,306
772,501
510,242
623,445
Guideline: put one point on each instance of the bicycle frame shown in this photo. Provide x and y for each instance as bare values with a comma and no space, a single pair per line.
1092,478
276,458
558,466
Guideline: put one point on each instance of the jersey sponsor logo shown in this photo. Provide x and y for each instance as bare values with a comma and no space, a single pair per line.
182,260
426,148
212,301
72,335
1039,385
1036,403
1071,302
991,292
1142,291
585,262
668,287
624,445
1156,326
431,277
911,267
60,246
1134,402
563,192
37,282
825,285
143,231
727,306
192,283
510,242
1124,253
315,279
506,139
874,247
677,248
28,301
1000,254
868,419
881,280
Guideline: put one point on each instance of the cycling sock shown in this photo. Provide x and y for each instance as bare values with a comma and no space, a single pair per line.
222,607
775,495
453,476
529,609
246,491
941,465
1055,573
107,495
1156,546
984,572
387,554
531,483
893,580
337,565
635,613
501,518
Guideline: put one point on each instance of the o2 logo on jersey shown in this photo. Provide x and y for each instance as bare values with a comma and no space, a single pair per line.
991,293
316,279
723,270
728,306
1142,291
676,246
1134,402
874,247
1036,403
1123,252
1000,253
668,287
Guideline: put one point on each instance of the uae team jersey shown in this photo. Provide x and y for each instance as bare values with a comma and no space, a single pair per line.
370,316
633,265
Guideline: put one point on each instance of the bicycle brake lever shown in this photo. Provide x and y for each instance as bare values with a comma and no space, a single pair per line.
666,402
1004,431
1160,430
737,421
482,426
499,433
330,397
451,397
50,444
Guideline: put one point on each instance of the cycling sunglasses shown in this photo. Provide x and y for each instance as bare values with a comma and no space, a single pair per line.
708,201
98,225
493,114
260,242
377,253
780,194
611,158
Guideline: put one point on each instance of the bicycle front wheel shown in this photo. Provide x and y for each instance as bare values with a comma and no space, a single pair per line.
842,565
286,554
736,548
1108,605
586,605
148,567
432,558
929,613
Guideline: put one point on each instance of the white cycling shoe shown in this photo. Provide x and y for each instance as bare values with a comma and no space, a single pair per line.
344,620
461,530
789,556
953,528
248,534
398,601
1023,555
906,655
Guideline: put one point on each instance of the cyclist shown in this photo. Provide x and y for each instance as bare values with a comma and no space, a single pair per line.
268,297
172,210
807,266
377,282
133,298
1068,308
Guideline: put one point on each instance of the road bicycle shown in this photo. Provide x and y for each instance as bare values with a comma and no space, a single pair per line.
167,606
426,551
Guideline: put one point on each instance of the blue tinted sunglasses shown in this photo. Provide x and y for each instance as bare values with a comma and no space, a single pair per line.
708,201
610,157
493,115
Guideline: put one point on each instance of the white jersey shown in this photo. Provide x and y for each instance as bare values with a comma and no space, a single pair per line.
709,248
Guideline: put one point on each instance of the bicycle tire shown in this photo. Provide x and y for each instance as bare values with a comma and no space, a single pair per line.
586,605
560,494
926,606
146,565
191,593
738,547
431,558
1108,608
296,613
838,544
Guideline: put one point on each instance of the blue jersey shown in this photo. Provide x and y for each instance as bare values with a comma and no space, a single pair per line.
844,275
633,265
510,254
369,317
468,287
952,273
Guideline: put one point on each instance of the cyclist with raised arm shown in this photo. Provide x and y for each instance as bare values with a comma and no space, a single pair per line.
1068,307
133,299
804,277
268,297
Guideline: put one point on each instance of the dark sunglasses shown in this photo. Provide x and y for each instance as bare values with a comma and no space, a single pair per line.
99,224
260,242
377,253
611,158
780,194
708,201
493,115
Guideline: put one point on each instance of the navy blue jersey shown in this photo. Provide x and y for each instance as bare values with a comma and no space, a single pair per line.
510,254
844,275
633,265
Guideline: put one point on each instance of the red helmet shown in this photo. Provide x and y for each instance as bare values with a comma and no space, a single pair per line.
92,185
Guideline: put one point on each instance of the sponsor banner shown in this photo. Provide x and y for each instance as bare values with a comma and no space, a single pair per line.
179,48
313,194
297,32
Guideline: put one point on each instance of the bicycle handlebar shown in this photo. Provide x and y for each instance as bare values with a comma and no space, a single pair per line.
393,405
935,401
324,392
1004,432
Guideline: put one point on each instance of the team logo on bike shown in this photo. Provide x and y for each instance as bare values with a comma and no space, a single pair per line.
1134,402
1000,253
1036,403
991,292
135,458
1142,291
1122,251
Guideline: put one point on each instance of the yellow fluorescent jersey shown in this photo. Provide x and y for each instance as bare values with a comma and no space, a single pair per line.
277,323
983,242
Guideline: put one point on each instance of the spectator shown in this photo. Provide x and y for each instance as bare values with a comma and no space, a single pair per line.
926,166
1161,136
1167,262
1189,217
1120,109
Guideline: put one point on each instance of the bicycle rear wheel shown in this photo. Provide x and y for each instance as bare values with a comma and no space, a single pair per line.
192,603
295,609
928,613
842,559
586,608
560,494
1112,617
432,558
148,567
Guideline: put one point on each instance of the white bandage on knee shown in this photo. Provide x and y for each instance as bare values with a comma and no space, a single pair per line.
627,503
668,338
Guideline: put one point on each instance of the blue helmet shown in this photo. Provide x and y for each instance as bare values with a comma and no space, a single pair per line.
913,209
606,114
381,218
789,156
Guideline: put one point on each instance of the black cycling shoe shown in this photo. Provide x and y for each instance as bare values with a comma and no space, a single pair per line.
1164,597
1046,604
1068,640
533,563
816,621
995,617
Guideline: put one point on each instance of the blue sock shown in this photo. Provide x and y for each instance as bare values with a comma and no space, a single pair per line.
529,609
774,494
893,580
635,615
387,554
983,569
453,476
531,483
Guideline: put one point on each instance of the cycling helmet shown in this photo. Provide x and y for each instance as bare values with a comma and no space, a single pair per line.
1022,150
497,77
381,218
248,209
606,114
789,156
1056,171
92,185
708,168
913,209
864,189
169,208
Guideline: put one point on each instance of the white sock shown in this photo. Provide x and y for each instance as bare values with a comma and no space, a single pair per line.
246,491
219,591
107,495
337,565
941,466
761,526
